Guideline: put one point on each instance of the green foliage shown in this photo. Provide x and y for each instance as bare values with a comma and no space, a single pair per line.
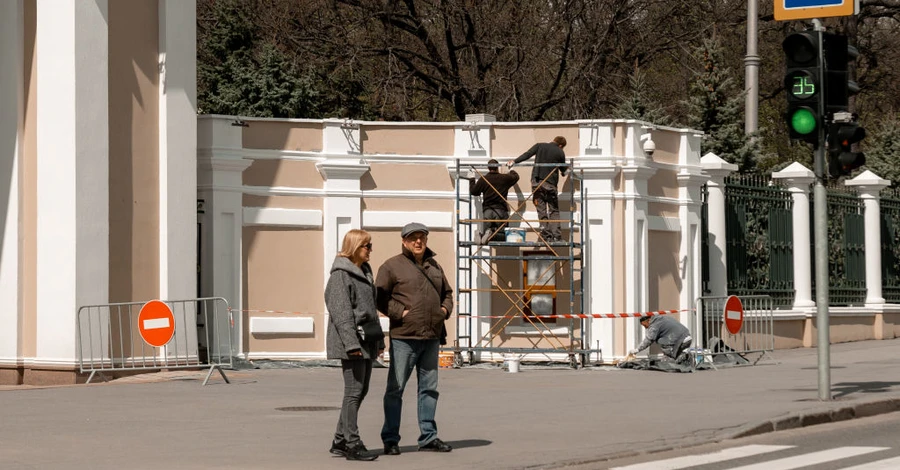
883,149
715,106
240,75
638,104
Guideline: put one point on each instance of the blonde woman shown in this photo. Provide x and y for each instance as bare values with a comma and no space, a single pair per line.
354,336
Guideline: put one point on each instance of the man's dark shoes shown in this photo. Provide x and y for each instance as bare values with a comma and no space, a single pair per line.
360,453
436,445
338,448
391,449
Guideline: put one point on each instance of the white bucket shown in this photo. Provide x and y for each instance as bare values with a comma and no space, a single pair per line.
515,235
512,363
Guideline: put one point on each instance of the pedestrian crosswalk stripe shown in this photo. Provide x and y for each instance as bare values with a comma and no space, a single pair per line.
886,464
814,458
703,459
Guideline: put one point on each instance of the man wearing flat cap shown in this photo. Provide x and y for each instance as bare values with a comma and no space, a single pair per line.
673,337
413,292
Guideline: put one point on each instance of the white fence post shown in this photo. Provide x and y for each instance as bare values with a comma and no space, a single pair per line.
869,186
797,178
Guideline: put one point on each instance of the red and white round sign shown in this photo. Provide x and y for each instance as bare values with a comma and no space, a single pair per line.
734,314
156,323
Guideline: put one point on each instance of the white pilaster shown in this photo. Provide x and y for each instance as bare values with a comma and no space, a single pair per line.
11,125
869,186
599,250
689,202
636,172
177,149
72,168
798,178
717,169
221,164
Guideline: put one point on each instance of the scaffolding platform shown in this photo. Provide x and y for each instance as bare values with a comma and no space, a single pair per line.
512,296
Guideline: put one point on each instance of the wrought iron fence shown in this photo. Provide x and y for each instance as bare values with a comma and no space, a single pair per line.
890,245
846,246
759,236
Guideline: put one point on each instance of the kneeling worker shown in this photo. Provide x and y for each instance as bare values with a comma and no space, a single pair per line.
673,337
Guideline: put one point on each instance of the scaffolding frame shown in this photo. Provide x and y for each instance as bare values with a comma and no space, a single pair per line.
475,260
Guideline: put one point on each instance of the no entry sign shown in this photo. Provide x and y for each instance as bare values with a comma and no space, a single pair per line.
156,323
734,314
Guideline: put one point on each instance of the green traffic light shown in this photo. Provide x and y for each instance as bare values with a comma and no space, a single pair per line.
803,121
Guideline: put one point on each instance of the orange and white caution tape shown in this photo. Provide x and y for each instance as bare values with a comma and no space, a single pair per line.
589,315
273,311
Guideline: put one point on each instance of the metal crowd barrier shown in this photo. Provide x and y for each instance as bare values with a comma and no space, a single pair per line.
112,338
755,337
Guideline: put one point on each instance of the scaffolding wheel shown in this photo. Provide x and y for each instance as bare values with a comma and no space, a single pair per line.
457,360
573,363
471,358
584,360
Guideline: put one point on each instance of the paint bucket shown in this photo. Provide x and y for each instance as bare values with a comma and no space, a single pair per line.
514,234
512,363
445,360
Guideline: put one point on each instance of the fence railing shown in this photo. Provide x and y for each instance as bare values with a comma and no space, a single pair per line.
755,336
890,245
846,247
115,337
758,223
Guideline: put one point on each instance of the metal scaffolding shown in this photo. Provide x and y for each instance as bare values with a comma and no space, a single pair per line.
520,297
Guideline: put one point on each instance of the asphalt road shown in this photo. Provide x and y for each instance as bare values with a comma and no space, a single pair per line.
863,444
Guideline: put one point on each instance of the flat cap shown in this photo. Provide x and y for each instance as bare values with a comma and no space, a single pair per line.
413,227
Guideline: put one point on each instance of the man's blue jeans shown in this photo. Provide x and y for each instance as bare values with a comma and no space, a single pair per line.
406,354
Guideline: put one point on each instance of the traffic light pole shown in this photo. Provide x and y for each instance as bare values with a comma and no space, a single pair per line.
820,212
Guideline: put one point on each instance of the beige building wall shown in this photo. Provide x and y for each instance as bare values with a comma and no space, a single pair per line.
134,150
665,270
292,135
28,201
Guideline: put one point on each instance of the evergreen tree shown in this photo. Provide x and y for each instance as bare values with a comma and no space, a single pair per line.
715,105
240,75
638,104
883,150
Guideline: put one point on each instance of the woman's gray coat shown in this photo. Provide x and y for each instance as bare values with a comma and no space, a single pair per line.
350,300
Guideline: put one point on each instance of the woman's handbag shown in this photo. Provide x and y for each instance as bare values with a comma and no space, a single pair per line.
370,332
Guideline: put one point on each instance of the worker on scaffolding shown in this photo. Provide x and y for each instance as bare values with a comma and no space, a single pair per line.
673,337
550,164
494,208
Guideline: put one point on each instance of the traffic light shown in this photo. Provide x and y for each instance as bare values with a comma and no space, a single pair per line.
841,135
802,60
838,86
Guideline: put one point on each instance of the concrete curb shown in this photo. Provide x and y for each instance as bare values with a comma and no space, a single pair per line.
811,418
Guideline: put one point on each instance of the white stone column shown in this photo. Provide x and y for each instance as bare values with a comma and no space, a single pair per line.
11,138
599,250
472,144
869,186
177,149
689,202
73,170
690,183
220,187
798,178
717,169
636,171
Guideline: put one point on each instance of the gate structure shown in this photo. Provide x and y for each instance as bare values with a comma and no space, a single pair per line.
756,336
111,337
525,296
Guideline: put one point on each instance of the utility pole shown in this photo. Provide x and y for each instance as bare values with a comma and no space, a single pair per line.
751,70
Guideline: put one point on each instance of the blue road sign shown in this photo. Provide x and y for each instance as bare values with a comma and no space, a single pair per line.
807,9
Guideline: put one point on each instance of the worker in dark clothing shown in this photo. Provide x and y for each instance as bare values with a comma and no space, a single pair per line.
544,180
495,188
673,337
